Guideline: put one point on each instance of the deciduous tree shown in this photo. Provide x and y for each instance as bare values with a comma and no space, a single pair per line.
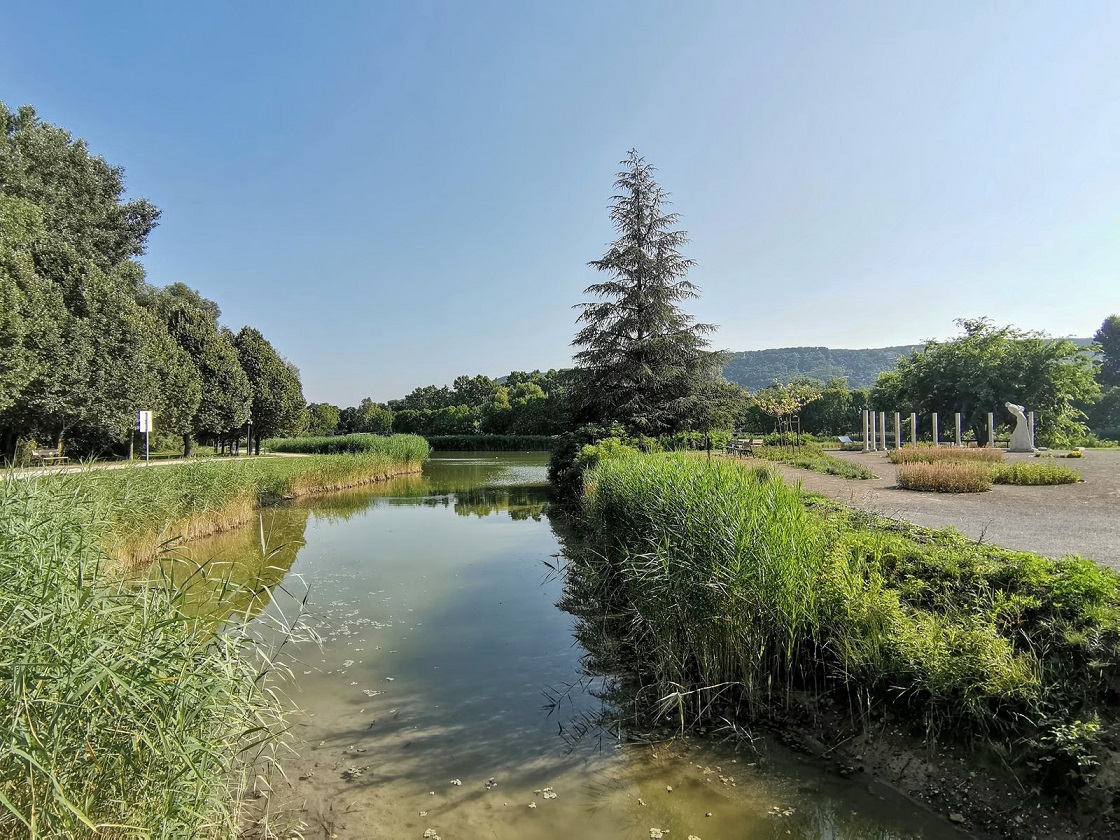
988,366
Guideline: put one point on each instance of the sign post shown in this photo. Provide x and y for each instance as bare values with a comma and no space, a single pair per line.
144,424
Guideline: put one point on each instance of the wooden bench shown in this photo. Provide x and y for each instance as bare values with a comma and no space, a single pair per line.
742,446
49,457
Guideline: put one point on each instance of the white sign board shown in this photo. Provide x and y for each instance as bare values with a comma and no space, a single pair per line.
143,421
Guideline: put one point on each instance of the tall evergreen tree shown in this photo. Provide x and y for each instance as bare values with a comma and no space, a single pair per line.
643,359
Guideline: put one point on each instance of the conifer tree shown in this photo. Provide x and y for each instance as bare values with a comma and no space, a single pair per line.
642,358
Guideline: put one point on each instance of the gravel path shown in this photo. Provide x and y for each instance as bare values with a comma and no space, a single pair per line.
1081,518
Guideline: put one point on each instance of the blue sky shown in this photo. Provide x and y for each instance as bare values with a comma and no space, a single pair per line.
399,193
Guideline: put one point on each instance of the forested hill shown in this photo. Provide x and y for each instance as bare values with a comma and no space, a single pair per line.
754,369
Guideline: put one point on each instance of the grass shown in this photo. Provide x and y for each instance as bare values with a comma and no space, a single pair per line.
407,448
491,443
1034,474
150,508
953,469
946,476
940,454
719,582
119,717
811,456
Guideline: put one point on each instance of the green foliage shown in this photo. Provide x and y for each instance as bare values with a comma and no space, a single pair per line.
642,358
409,449
278,404
708,574
491,443
987,367
323,419
757,369
811,456
1108,339
117,708
1034,474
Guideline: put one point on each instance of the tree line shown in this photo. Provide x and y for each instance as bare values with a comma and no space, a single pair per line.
86,340
522,403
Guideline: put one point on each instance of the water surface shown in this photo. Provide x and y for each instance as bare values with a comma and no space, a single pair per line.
445,659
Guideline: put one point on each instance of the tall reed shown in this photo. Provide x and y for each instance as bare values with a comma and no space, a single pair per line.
410,449
715,575
118,717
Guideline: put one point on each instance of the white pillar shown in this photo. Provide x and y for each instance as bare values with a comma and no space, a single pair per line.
874,434
866,443
897,430
883,428
936,442
958,428
991,429
914,428
1030,420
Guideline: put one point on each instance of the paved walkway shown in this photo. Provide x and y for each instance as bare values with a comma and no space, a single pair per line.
1081,518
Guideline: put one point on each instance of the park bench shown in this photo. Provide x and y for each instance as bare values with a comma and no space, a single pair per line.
49,457
742,446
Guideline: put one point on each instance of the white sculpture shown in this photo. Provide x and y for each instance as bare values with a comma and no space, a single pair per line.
1021,439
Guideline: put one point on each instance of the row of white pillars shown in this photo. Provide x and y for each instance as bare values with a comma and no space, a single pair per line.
875,429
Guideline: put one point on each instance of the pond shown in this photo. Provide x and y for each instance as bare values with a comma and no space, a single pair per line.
449,694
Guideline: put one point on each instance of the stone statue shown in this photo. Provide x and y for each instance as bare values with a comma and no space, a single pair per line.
1021,438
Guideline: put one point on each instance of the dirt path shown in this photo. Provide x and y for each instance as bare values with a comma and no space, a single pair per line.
1081,518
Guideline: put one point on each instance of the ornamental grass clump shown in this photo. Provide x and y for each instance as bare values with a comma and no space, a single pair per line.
1027,473
946,476
120,715
938,454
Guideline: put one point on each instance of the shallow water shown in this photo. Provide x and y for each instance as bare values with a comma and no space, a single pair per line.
444,658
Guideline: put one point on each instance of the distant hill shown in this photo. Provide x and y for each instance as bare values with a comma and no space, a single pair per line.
754,369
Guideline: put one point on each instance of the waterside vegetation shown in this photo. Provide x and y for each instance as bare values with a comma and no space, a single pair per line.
728,590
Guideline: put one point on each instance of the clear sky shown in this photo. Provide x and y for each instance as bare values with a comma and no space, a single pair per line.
397,193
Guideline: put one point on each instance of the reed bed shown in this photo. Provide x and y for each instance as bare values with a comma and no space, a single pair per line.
941,454
491,443
716,579
946,476
409,449
150,508
118,717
